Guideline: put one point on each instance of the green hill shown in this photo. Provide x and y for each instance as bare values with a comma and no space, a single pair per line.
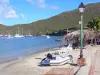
61,21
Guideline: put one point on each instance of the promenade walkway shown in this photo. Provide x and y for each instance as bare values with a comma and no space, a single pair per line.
95,66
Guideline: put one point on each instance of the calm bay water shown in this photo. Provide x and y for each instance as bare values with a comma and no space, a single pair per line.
19,47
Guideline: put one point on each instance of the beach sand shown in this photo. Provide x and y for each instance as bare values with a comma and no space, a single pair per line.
29,65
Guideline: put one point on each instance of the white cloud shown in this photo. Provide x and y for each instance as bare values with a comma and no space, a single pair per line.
7,11
4,1
30,1
23,17
42,4
54,7
11,14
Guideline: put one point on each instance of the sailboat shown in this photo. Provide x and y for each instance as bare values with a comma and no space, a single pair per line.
9,36
29,34
18,35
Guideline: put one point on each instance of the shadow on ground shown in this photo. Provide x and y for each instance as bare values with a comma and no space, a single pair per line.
75,65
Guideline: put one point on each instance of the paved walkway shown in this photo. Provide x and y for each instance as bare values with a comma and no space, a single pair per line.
95,67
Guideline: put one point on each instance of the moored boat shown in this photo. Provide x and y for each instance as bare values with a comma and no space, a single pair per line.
58,57
48,37
58,60
17,35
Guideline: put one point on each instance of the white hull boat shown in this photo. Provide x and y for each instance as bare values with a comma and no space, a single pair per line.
48,37
56,61
59,57
63,51
9,37
18,36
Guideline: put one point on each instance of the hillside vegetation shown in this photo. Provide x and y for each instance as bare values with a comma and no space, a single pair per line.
68,19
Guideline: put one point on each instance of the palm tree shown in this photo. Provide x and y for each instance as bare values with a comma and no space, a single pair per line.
90,25
97,24
94,25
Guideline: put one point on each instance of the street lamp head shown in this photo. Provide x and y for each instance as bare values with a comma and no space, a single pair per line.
81,8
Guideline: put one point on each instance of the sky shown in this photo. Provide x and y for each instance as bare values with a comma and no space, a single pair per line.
14,12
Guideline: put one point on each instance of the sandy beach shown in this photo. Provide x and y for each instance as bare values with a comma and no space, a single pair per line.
29,65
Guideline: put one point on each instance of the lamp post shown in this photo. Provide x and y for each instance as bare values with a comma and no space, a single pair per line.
81,60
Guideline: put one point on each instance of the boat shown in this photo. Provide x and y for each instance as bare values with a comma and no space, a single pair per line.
29,34
48,37
58,39
55,61
60,56
63,51
1,35
18,35
9,36
43,35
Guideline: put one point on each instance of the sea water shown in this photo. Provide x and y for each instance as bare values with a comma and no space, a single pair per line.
11,48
